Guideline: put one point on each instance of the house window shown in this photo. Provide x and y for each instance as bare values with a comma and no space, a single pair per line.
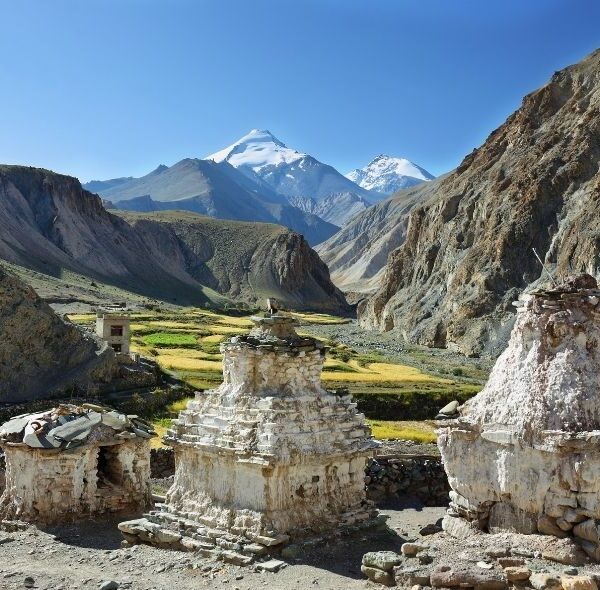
116,330
116,347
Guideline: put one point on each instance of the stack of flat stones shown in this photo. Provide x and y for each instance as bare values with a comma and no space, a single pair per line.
178,532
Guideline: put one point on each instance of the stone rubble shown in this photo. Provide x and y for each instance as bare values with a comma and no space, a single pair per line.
485,561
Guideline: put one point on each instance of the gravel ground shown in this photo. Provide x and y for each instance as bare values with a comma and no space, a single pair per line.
83,555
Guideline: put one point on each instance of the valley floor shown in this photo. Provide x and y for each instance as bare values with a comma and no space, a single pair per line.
81,556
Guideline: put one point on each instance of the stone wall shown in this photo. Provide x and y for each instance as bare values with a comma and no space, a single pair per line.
407,476
2,472
50,485
162,463
388,477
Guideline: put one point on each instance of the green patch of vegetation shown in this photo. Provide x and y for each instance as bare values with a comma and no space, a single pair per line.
211,347
364,359
202,380
171,340
400,429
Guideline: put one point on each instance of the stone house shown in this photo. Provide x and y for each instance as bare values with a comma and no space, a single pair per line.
75,462
112,325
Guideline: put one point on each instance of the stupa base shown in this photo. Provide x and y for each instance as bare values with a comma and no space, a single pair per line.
167,530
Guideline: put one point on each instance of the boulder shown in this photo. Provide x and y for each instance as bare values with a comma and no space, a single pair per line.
544,581
578,583
517,574
376,575
465,575
411,549
547,526
383,560
459,527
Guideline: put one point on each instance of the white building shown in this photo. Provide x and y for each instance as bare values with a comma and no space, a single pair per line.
113,327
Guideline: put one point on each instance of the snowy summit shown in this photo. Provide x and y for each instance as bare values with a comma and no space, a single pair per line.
386,175
256,150
306,183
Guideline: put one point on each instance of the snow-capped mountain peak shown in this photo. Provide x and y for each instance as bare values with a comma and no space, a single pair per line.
257,150
387,174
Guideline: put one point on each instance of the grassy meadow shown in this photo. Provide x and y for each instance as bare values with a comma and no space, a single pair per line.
395,397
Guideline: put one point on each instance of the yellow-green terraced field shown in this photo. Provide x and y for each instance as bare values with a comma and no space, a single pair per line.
187,344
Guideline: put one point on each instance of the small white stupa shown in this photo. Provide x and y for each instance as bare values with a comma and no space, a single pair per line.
524,454
268,456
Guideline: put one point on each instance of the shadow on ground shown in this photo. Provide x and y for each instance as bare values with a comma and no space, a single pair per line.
342,555
90,534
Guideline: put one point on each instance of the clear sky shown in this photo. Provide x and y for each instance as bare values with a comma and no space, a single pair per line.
106,88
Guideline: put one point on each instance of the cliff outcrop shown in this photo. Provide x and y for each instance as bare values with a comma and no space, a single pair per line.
468,252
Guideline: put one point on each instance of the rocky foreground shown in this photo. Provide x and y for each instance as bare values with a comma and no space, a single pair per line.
83,556
485,562
89,556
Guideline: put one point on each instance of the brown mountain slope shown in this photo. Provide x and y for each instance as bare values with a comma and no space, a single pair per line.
357,254
245,261
39,353
535,183
50,225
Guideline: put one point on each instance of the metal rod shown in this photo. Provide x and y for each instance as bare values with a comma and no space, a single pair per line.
544,267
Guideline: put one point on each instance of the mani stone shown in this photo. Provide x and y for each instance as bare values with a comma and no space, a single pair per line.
270,456
524,454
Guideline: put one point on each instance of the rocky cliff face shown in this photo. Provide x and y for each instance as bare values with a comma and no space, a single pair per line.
41,354
49,224
535,183
244,261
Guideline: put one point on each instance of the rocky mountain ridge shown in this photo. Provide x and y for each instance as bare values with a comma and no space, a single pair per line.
303,180
357,254
468,252
49,224
259,178
246,262
210,188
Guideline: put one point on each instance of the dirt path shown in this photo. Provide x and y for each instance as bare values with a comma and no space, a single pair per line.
84,555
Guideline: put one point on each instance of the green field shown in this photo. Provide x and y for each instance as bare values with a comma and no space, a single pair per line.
187,343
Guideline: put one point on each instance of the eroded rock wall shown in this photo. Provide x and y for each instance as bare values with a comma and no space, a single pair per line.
468,251
40,354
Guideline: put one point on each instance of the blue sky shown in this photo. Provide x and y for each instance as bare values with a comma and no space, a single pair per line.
100,89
